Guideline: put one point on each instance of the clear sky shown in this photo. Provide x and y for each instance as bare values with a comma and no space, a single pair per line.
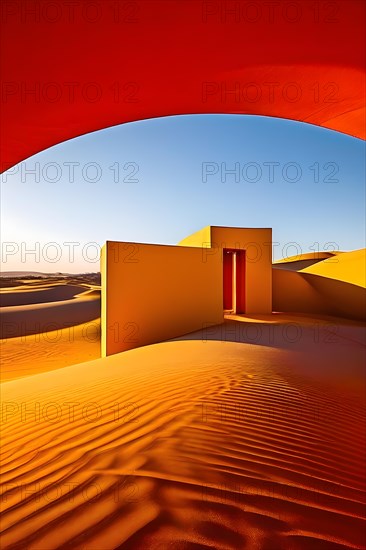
158,180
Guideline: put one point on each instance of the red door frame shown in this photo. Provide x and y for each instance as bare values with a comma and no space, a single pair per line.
228,279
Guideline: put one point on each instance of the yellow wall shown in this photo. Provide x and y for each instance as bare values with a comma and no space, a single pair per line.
292,292
156,292
201,238
308,293
258,246
258,264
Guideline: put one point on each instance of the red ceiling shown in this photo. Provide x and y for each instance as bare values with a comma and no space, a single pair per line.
73,66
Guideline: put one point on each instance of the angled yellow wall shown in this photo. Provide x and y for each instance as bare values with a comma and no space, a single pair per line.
201,238
156,292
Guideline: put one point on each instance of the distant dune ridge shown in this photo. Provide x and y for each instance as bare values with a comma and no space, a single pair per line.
41,275
14,274
348,267
247,435
38,294
301,261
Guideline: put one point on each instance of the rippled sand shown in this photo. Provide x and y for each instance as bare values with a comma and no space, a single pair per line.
193,443
46,324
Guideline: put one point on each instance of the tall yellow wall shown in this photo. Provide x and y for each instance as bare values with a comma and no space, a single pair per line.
258,268
156,292
257,243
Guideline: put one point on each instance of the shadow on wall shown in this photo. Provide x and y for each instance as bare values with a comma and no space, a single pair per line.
307,293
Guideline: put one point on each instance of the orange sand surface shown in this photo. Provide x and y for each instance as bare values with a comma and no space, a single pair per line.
249,435
34,353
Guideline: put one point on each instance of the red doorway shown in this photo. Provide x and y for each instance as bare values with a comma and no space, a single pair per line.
234,280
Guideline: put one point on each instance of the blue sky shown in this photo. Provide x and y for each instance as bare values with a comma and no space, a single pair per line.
173,178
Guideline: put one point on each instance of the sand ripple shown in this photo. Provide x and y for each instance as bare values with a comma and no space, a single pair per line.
182,445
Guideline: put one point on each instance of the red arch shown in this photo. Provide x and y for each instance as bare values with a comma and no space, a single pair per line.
302,60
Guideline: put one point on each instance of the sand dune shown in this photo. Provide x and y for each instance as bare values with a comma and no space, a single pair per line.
48,323
41,352
11,274
319,255
39,316
349,267
301,261
193,443
247,435
39,294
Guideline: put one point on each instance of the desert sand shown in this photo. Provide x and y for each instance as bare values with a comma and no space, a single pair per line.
349,267
248,435
48,323
301,261
35,353
40,306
